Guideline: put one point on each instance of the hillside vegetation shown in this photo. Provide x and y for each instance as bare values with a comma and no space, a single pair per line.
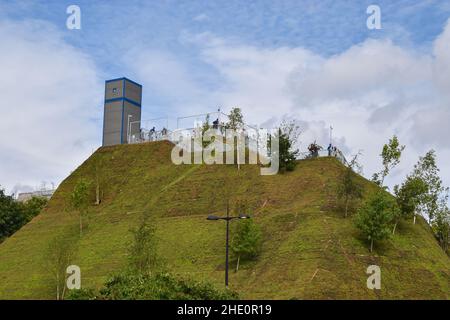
309,250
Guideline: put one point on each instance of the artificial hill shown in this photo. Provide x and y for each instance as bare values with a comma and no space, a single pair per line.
310,251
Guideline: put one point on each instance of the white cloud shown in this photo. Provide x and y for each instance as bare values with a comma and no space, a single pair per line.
368,93
202,17
441,67
371,70
50,91
50,96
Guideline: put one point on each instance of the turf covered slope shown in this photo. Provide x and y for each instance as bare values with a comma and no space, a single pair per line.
309,252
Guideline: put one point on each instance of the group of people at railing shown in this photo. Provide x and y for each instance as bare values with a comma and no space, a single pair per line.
332,151
150,135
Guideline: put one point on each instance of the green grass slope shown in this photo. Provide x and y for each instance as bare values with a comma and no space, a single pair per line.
309,251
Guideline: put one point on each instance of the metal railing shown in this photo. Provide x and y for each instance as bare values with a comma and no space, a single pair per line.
146,135
253,139
338,154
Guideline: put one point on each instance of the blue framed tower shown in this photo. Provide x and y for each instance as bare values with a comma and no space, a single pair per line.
122,111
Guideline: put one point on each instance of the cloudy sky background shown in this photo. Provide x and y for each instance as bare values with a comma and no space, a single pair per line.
314,61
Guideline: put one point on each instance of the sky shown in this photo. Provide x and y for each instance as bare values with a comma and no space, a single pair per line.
314,61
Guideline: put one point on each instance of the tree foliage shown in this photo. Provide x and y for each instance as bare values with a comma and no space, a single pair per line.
349,188
34,206
153,286
246,241
79,200
441,225
205,127
11,216
426,169
143,255
235,119
145,280
314,149
60,252
390,155
433,204
423,192
99,179
14,215
375,216
410,195
288,135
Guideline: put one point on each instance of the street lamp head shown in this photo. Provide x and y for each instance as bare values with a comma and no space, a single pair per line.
244,216
211,217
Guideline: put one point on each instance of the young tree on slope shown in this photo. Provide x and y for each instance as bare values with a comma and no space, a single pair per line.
99,177
205,127
60,253
441,224
79,200
410,195
143,254
246,243
349,189
390,155
426,169
375,216
289,133
391,158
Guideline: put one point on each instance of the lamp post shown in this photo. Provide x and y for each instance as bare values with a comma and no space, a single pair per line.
227,219
331,135
128,128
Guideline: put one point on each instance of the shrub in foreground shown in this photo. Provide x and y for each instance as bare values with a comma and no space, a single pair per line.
157,286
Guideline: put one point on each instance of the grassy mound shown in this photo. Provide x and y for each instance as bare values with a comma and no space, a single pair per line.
309,250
